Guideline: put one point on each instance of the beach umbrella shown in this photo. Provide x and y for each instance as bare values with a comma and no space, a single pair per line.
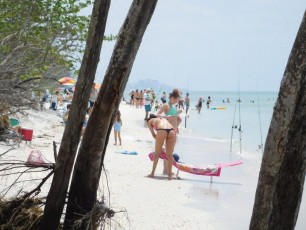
97,86
66,80
68,84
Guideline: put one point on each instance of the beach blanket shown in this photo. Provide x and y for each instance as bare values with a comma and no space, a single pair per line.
210,170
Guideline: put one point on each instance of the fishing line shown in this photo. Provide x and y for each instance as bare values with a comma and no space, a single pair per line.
186,105
233,124
260,147
239,129
238,100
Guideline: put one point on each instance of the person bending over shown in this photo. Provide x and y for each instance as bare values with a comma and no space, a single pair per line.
162,131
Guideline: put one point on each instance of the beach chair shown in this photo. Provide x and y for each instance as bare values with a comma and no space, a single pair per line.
210,170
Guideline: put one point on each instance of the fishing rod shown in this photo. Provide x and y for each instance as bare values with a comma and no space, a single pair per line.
238,100
239,112
186,119
233,125
260,147
186,105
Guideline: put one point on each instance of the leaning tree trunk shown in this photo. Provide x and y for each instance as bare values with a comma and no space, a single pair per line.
282,175
64,163
87,171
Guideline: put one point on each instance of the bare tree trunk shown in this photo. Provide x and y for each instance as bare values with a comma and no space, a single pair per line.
57,194
87,171
282,175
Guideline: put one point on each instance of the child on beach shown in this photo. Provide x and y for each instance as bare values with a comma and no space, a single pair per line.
117,127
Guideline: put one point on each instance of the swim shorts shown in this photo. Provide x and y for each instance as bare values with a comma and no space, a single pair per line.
148,108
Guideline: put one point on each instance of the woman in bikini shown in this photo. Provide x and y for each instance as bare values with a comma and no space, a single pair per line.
170,111
137,99
162,131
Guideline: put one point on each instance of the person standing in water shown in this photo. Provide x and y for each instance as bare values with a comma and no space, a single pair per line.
187,102
208,102
199,105
163,98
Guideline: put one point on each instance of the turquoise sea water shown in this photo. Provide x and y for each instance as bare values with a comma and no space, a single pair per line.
253,114
207,140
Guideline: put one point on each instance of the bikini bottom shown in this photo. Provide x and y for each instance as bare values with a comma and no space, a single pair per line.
167,130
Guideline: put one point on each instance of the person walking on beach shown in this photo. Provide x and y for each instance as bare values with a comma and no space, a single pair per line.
93,95
141,98
132,97
147,103
180,103
137,98
162,131
117,127
54,100
199,105
208,102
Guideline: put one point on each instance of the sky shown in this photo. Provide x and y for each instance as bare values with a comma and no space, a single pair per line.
211,45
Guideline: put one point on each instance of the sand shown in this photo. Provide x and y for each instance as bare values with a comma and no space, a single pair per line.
142,202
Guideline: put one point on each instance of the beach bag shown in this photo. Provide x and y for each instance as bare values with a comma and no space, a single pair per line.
35,158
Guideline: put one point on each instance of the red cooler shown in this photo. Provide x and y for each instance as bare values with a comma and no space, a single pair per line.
27,134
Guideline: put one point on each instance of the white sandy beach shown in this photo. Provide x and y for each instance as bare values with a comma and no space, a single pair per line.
189,203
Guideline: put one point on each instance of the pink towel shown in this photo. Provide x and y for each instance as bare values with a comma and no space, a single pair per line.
210,170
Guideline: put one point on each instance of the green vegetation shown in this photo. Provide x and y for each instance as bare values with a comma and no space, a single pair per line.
41,38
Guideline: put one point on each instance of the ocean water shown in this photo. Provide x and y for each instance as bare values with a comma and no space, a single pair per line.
211,138
208,138
253,114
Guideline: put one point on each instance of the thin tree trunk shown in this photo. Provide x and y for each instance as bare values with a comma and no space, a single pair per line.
58,191
282,175
87,171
